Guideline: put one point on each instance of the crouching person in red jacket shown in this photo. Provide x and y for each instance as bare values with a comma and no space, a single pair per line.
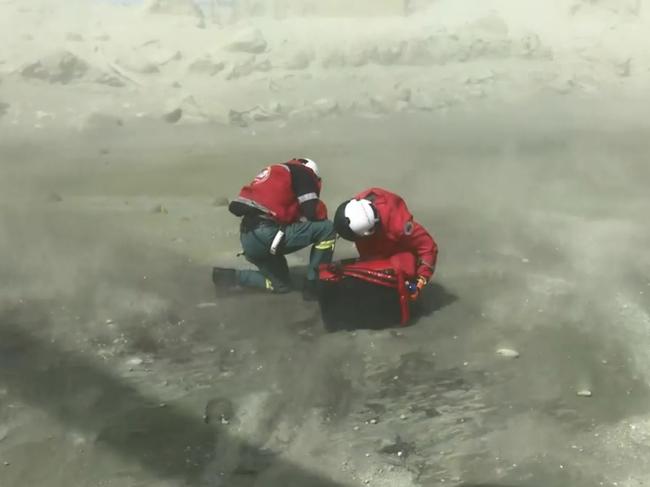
381,226
281,212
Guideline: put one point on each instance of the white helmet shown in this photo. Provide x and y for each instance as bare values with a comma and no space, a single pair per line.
311,165
355,218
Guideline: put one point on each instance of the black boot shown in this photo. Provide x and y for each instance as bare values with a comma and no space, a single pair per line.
224,279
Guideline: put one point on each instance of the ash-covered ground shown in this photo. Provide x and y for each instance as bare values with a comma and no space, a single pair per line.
120,368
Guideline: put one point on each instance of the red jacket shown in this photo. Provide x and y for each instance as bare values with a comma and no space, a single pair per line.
272,193
397,232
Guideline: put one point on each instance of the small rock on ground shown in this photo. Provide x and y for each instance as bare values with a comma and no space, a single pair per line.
508,353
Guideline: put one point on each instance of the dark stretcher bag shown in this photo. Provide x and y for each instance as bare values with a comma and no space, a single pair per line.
366,293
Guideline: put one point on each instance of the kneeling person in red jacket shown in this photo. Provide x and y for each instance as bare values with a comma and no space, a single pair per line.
381,226
281,213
